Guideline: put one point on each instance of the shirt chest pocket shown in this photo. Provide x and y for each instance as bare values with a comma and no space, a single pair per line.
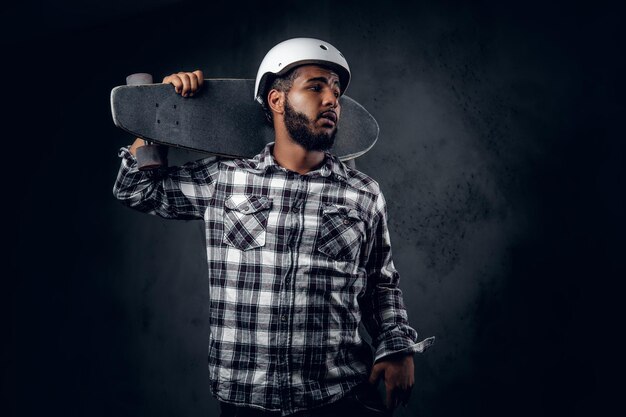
341,233
245,220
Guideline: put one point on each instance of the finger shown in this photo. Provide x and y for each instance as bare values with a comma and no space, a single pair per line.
397,396
175,81
193,84
200,77
375,374
184,77
389,399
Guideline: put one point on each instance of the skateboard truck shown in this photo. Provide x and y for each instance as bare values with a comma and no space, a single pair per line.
150,156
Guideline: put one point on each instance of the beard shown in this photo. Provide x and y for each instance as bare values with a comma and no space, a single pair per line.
298,126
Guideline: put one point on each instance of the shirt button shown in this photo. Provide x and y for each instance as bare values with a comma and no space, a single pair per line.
283,317
294,209
347,222
287,281
245,208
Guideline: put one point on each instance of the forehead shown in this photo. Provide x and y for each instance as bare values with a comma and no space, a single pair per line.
306,72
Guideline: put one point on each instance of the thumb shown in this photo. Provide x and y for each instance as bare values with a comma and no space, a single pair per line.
375,374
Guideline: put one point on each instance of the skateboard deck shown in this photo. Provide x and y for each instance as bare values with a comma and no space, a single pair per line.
223,119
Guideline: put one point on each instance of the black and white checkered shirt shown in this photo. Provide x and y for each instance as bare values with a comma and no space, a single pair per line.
296,262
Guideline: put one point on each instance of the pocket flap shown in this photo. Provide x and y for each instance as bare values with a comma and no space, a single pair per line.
344,211
247,204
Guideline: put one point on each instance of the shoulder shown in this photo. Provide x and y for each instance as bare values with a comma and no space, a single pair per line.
217,163
209,164
254,164
360,180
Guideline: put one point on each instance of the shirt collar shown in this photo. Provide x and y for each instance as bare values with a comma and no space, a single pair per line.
265,162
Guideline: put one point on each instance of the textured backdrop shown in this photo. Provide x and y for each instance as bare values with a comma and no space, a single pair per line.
501,156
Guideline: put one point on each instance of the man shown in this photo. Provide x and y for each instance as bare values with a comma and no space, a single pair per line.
298,252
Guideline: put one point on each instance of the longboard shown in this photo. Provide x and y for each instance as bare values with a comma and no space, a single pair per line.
222,119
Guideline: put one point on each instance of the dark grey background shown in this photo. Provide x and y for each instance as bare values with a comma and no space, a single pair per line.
501,156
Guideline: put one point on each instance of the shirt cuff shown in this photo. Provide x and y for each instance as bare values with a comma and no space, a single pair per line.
397,341
124,152
129,162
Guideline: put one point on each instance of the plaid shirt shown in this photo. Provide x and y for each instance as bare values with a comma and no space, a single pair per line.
296,263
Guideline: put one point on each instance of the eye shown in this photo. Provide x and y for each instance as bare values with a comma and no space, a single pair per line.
316,87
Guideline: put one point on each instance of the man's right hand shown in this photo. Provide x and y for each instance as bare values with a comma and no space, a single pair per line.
185,83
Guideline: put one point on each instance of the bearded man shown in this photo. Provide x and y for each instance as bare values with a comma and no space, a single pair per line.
298,253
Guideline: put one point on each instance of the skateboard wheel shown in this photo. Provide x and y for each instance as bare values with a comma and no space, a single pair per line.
139,78
151,157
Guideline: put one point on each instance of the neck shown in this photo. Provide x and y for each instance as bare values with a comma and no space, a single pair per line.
292,156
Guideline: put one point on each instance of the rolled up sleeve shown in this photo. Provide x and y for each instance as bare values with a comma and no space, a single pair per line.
384,313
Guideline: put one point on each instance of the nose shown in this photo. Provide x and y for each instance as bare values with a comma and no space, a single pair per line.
330,100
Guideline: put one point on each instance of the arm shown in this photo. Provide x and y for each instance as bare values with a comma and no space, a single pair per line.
385,317
172,193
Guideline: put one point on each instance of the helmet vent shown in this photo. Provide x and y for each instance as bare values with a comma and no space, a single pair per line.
324,47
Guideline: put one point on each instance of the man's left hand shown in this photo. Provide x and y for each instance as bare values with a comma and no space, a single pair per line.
398,373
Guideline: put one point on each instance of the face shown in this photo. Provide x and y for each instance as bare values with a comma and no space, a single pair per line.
312,108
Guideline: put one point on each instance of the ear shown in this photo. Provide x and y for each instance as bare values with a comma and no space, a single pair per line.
276,101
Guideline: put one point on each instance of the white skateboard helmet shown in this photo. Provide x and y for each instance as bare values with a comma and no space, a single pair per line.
295,52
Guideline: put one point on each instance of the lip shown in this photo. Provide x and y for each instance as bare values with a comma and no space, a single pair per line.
330,116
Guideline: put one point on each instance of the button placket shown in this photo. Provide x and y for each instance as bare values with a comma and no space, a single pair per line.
287,296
